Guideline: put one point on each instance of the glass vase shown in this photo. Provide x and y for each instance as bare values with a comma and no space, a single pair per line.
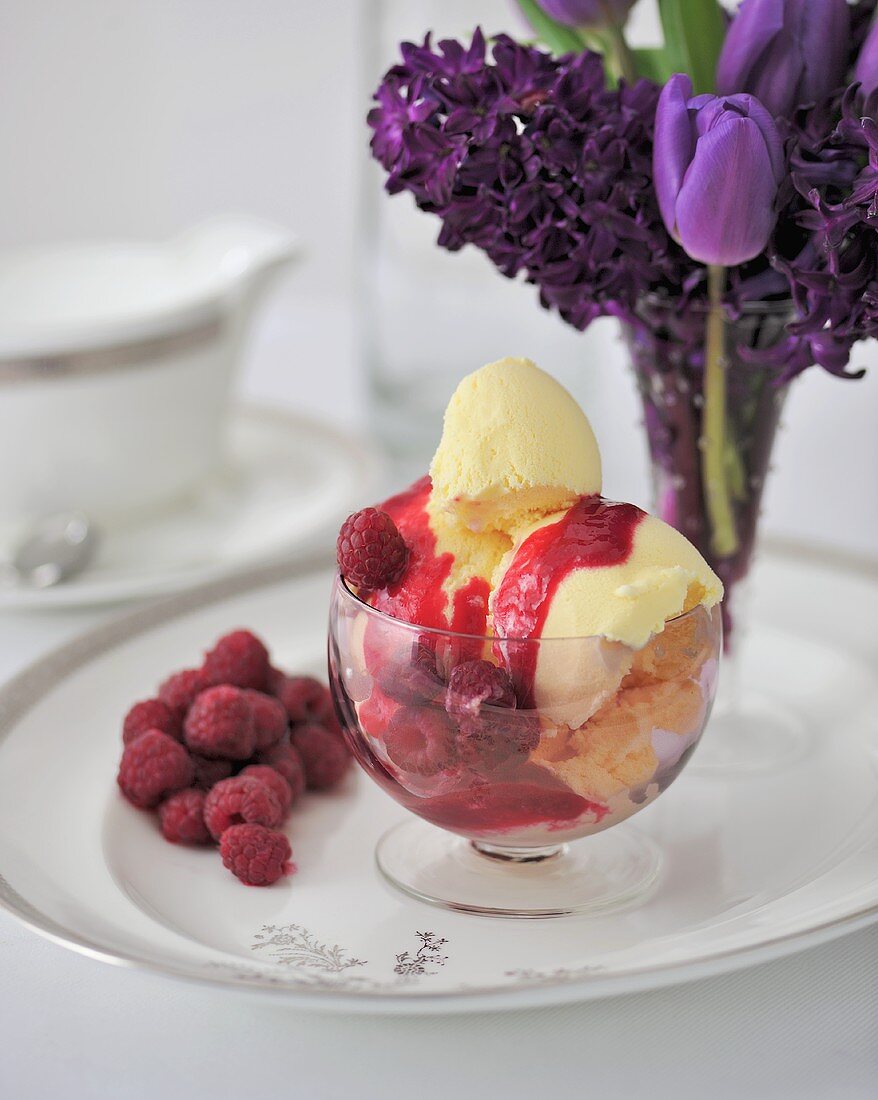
710,438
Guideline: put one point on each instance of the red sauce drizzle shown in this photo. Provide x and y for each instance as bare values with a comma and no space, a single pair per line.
594,534
419,597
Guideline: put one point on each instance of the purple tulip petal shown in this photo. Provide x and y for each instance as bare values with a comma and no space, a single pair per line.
719,223
582,13
823,31
674,145
750,33
770,134
710,110
786,52
781,72
866,71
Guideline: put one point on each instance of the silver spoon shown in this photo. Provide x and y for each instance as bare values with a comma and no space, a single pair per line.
57,547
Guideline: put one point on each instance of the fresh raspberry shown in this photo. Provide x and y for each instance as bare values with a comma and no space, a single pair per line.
271,777
153,766
178,691
323,754
151,714
421,740
302,696
220,723
269,718
239,659
256,855
323,711
286,760
475,683
240,799
209,772
182,818
332,725
370,551
415,681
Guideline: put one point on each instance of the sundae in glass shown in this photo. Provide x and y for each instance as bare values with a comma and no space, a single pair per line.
519,660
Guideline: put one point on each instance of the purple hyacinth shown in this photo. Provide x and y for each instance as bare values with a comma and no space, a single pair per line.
533,160
536,162
825,242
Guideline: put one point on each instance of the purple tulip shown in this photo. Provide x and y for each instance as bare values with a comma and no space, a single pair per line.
586,13
717,164
866,71
785,52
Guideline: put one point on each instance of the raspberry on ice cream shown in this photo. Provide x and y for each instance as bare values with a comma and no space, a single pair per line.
269,718
371,552
475,683
150,714
239,659
152,766
415,679
285,759
182,818
324,756
179,690
220,723
421,740
241,799
494,739
256,855
271,777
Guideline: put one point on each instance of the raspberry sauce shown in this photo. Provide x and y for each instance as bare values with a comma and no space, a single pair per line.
594,534
529,798
500,808
419,597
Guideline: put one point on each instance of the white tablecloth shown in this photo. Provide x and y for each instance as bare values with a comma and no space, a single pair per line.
806,1026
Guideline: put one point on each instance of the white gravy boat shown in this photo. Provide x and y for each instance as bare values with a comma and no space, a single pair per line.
116,363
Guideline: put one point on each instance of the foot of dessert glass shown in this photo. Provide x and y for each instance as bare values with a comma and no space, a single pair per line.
609,871
523,801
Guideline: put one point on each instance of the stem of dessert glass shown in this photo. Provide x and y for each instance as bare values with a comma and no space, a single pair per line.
507,854
717,488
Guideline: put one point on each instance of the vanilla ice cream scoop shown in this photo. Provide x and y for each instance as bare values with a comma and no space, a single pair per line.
515,446
599,569
596,571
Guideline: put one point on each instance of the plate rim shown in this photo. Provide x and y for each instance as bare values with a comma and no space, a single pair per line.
23,690
364,457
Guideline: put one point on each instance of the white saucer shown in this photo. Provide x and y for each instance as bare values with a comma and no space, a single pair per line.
287,481
755,867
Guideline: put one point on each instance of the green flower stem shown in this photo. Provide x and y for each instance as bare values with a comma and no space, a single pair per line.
623,58
714,465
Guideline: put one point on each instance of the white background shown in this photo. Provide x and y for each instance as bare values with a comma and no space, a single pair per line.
126,118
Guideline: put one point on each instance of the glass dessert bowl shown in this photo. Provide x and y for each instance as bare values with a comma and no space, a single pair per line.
516,747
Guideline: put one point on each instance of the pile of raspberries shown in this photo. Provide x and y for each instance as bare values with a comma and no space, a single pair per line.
224,751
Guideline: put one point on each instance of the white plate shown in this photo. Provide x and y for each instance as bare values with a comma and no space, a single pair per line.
754,867
287,481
